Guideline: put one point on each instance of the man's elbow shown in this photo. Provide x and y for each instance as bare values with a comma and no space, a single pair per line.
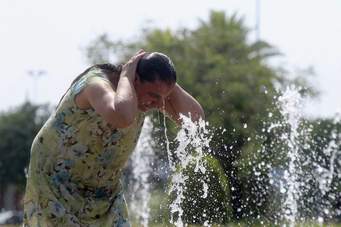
201,113
198,114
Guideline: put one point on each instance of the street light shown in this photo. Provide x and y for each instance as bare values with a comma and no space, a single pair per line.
36,75
258,19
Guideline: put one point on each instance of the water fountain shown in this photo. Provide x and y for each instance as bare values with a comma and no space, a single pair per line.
291,109
302,179
142,159
299,180
192,140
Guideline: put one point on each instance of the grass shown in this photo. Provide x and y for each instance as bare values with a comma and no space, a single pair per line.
247,225
227,225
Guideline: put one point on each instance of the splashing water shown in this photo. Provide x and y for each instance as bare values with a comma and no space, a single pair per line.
325,176
191,137
305,179
291,178
332,151
291,109
141,163
170,158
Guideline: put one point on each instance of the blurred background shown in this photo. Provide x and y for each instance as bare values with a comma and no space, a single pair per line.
234,56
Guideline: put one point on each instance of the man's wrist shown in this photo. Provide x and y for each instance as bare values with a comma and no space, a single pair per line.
127,76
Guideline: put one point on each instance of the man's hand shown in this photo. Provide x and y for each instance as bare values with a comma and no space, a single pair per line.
129,69
119,108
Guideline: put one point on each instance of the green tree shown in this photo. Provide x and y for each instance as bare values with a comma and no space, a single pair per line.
18,128
323,150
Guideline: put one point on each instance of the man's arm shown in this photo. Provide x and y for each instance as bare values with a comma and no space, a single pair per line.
180,102
118,108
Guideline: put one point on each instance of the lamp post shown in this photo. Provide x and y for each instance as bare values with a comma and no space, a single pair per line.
258,19
36,75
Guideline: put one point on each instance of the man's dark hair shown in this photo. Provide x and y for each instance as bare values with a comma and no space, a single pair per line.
156,66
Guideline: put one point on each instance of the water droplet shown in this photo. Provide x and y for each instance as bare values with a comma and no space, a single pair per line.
282,190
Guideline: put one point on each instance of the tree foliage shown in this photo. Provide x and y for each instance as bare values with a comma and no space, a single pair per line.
17,130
